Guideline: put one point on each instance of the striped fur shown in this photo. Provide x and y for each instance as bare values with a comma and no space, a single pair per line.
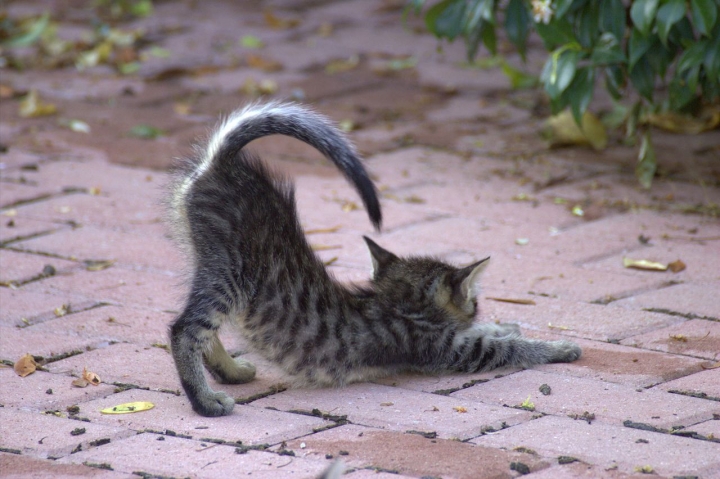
252,265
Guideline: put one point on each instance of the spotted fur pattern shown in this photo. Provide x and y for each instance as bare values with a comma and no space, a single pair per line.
252,265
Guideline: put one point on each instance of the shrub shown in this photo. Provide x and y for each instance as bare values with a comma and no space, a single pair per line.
632,46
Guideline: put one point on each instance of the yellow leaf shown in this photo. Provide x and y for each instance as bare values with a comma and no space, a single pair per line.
129,407
644,264
338,66
460,409
562,130
527,404
25,366
708,119
32,106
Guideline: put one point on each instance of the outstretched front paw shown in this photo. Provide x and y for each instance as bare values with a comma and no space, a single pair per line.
213,405
565,352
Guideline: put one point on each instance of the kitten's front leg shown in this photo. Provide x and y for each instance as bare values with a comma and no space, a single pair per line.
191,335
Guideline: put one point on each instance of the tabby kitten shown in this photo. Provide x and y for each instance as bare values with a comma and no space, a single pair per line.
252,265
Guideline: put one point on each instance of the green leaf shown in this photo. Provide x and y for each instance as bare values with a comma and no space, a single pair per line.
647,163
251,41
489,39
518,79
587,24
607,51
643,79
642,13
667,16
31,35
560,7
637,47
704,15
712,56
580,92
146,132
659,58
445,19
692,56
614,81
612,18
517,20
557,32
559,71
683,88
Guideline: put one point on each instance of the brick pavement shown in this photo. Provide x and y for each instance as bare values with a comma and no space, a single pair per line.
90,279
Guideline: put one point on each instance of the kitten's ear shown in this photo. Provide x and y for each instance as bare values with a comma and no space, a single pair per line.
463,280
380,256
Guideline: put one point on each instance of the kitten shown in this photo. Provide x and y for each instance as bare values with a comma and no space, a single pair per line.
252,265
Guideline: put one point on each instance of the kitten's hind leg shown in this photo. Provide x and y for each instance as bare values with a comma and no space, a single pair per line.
191,335
224,368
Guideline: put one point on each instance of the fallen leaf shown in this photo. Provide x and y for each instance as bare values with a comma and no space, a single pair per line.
528,405
324,247
332,229
679,337
278,23
80,383
256,61
577,211
386,403
78,126
414,199
325,29
91,377
676,266
561,328
61,311
460,409
644,264
562,130
339,66
522,241
98,265
251,41
350,206
708,119
146,132
346,125
25,365
129,407
6,91
182,109
32,106
712,366
513,300
523,197
647,469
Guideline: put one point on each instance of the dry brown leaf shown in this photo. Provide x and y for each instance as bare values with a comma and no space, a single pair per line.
513,300
460,409
61,311
561,328
414,199
325,29
80,383
676,266
644,264
712,366
386,403
679,337
6,91
256,61
278,23
25,365
91,377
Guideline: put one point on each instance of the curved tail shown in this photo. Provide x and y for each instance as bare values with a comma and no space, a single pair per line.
256,121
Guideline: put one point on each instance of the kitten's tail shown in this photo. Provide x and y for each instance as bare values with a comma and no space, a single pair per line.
255,121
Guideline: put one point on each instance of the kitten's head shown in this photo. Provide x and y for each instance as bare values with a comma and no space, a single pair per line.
420,282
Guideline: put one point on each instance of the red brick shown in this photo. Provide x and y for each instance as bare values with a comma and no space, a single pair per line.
18,466
704,382
45,436
696,337
689,299
606,446
609,403
411,454
18,268
381,406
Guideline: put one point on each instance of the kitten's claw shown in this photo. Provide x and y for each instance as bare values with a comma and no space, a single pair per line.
216,404
565,352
